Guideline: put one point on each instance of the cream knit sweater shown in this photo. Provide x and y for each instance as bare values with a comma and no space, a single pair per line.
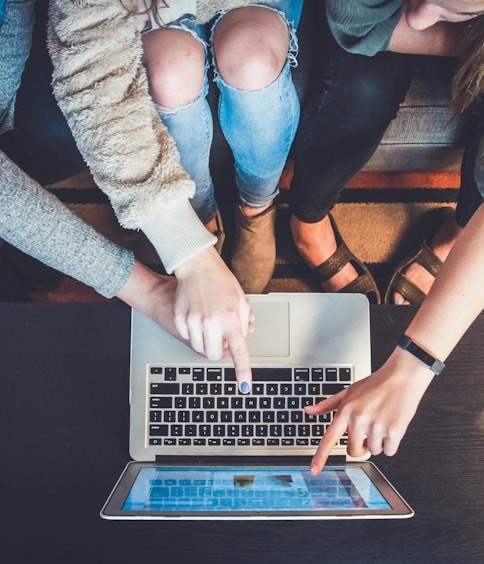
102,89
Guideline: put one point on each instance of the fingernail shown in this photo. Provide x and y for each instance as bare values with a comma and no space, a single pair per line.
244,387
314,470
399,301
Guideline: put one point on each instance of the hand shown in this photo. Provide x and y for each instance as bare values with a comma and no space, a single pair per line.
212,312
375,411
153,295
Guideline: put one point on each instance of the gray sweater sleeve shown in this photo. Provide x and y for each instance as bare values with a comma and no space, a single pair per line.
36,222
363,27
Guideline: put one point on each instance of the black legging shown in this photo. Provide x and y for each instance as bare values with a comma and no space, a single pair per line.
41,143
351,102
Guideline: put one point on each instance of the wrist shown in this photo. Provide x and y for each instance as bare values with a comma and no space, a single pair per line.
143,288
196,263
420,353
409,371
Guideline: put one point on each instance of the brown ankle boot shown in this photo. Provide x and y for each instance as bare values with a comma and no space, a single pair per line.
220,234
254,251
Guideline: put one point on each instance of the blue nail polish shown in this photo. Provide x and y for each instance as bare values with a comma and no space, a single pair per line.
399,301
244,387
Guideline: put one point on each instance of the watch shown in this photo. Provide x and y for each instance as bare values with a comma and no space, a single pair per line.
433,363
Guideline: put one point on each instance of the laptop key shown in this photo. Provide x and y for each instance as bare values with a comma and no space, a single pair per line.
279,403
198,374
158,402
331,374
317,374
169,416
155,442
198,416
164,388
300,389
332,389
194,402
302,442
155,416
282,416
159,430
247,430
190,430
240,416
345,374
214,374
301,374
275,430
180,402
184,416
170,374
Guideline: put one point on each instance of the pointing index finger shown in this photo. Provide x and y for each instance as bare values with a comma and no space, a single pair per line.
334,432
239,351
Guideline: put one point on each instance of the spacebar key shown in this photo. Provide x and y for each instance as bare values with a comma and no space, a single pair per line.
264,374
332,389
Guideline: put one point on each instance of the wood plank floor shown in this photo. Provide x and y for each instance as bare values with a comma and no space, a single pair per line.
375,216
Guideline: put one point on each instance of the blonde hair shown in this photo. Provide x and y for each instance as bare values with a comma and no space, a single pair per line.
468,82
151,6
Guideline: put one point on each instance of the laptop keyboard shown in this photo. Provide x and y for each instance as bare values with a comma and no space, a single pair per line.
201,406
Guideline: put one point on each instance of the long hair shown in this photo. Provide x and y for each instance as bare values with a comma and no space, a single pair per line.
150,6
468,83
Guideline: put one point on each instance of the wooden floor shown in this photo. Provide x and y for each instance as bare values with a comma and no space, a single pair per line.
374,216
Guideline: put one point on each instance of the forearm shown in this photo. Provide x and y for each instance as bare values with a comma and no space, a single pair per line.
457,296
151,294
443,38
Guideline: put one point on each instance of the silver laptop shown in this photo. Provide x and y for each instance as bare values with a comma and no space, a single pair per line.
183,407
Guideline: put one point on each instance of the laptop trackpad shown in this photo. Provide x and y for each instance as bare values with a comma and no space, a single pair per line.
271,335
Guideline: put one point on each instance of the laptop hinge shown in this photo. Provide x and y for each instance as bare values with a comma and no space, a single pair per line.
180,460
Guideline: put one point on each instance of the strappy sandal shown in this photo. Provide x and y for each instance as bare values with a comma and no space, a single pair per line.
364,284
420,253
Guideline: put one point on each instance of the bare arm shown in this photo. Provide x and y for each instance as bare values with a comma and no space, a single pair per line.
443,38
376,411
151,294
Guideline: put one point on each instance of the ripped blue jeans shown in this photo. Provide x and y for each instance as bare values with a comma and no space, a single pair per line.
259,125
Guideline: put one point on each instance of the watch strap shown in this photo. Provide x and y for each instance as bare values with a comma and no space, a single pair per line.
433,363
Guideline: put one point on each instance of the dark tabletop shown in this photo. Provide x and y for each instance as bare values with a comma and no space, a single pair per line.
64,442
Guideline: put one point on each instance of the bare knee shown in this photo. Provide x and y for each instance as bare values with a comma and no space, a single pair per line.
251,46
175,63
